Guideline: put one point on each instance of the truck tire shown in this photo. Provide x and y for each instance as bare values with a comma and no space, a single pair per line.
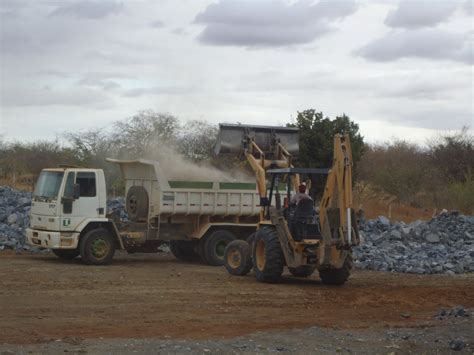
302,271
97,247
337,276
66,254
183,250
267,256
238,258
214,246
137,203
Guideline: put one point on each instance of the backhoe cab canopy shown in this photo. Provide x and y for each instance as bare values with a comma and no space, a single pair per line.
276,175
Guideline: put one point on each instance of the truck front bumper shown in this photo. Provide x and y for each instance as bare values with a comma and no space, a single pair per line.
51,240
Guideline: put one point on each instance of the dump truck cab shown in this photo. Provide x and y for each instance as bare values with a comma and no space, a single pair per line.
68,202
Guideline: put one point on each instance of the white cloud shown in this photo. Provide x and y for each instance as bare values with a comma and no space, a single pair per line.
88,9
433,44
421,13
269,23
46,96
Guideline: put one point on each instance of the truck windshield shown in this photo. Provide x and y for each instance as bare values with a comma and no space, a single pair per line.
48,184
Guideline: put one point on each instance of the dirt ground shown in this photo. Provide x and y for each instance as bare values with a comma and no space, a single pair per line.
45,300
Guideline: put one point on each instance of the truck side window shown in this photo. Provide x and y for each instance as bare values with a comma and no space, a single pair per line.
69,187
86,183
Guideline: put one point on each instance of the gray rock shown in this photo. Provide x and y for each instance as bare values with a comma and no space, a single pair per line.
469,235
383,220
12,219
457,344
395,235
432,238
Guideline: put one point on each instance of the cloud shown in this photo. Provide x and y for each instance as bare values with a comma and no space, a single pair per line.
158,90
269,23
180,31
421,13
433,44
88,9
16,97
469,7
99,83
435,117
157,24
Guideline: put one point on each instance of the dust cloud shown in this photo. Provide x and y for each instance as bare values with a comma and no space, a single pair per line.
176,167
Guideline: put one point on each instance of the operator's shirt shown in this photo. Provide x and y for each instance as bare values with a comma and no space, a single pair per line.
295,199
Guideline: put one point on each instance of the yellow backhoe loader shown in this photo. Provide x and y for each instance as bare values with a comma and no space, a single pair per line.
299,236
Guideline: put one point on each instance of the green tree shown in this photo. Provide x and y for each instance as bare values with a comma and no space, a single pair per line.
317,141
142,133
317,134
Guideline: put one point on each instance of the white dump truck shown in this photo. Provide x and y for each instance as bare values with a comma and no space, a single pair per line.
199,218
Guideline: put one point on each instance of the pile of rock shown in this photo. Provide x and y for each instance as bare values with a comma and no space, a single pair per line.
116,207
14,209
443,245
456,312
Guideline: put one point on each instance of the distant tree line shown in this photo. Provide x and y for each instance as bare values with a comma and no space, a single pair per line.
438,175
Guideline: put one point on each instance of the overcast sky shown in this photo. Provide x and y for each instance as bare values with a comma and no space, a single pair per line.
398,68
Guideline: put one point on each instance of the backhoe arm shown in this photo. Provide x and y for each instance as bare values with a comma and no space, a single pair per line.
336,205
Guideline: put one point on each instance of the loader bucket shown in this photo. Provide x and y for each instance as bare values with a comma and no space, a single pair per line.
233,138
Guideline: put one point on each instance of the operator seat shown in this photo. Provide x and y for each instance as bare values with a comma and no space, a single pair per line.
302,220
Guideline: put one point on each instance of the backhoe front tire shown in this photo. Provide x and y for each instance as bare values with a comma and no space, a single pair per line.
183,250
302,271
238,258
267,256
97,247
66,254
214,246
337,276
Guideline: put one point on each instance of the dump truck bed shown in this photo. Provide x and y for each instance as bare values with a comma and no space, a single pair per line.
189,197
209,198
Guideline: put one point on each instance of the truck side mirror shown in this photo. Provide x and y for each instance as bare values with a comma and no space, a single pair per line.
76,191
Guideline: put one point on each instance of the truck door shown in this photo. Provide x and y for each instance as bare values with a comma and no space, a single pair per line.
86,206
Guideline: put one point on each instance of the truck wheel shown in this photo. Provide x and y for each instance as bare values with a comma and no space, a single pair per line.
214,247
238,258
66,254
97,247
336,276
302,271
183,250
137,203
267,255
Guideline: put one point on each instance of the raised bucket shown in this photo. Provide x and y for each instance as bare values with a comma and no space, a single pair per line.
233,138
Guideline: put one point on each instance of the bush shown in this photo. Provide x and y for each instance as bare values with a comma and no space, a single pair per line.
438,176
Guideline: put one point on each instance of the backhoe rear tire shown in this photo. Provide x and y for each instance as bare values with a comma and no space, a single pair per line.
183,250
97,247
214,246
267,256
302,271
337,276
238,258
66,254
